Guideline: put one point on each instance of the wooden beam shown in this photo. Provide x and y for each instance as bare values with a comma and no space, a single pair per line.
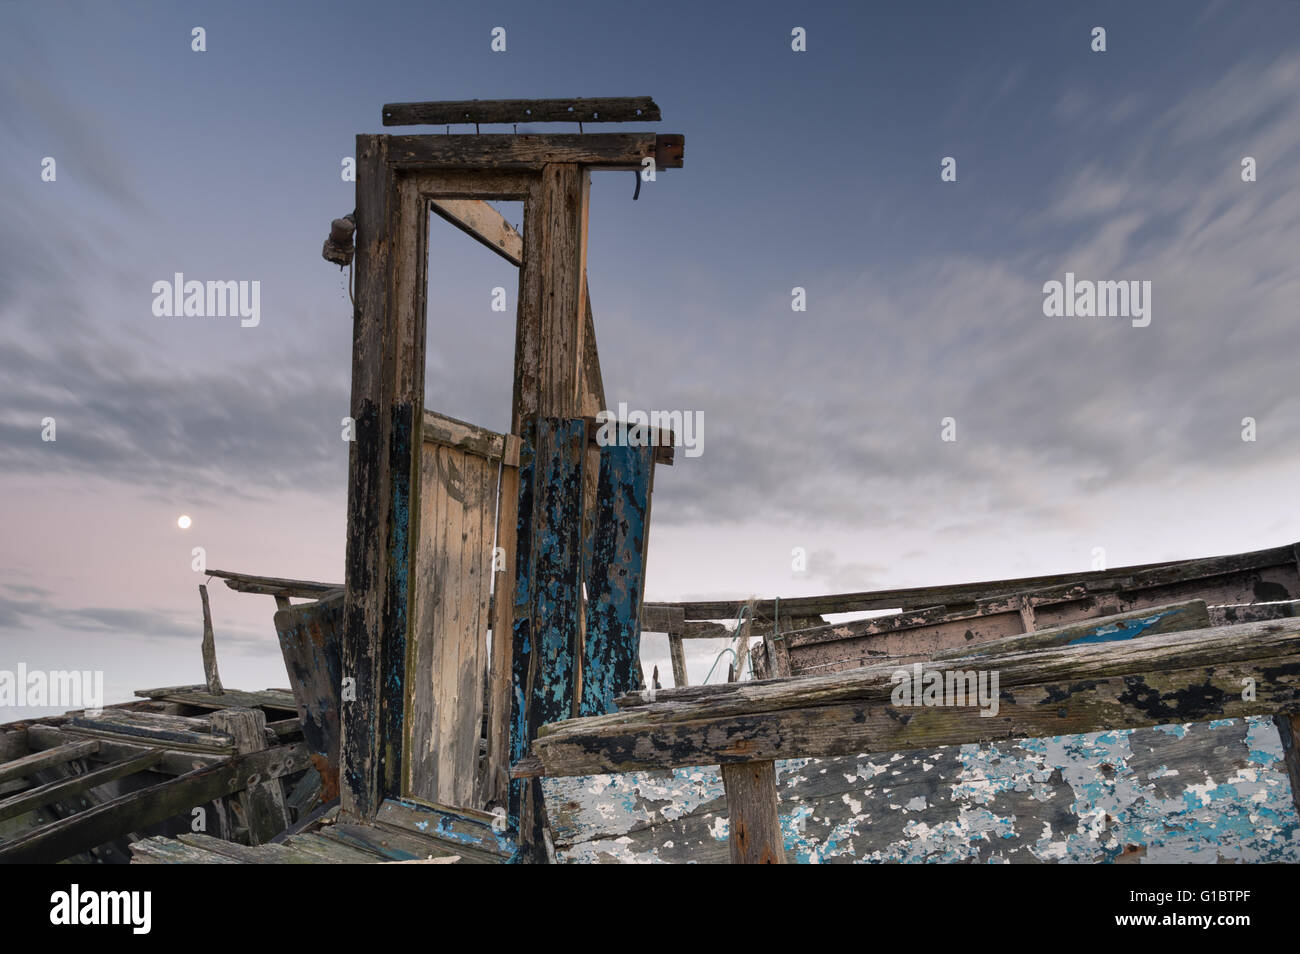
1177,677
76,784
265,811
677,653
138,810
470,438
210,673
620,109
28,765
274,585
482,222
494,151
754,824
909,598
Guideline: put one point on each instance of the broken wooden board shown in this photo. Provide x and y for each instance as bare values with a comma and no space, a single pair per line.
311,637
1177,677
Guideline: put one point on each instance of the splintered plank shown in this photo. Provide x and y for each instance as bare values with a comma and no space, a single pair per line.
616,578
1152,680
310,641
471,832
50,758
389,845
607,109
200,697
161,850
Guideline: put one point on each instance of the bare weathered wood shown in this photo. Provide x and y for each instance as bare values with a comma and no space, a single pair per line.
274,585
210,673
753,821
496,773
604,109
462,436
28,765
310,641
265,811
448,654
1177,677
138,810
174,761
493,151
76,784
1147,575
677,654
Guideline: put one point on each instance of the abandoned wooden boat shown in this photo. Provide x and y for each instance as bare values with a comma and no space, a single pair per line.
473,689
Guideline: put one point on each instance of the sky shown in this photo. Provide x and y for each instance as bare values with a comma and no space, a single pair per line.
820,169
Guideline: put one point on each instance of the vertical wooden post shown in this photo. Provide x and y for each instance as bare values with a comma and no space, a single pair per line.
263,803
752,808
1288,727
548,383
210,674
1026,614
368,499
677,653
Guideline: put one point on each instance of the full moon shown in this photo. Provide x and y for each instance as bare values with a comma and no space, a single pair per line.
183,521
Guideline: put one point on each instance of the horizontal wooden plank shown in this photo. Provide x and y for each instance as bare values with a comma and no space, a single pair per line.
1177,677
1152,621
174,762
604,150
919,597
76,784
161,850
281,699
274,585
470,438
608,109
26,766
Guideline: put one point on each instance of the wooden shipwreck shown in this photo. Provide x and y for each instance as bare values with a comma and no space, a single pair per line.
473,689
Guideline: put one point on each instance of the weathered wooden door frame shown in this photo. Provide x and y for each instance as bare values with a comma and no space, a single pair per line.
387,405
554,352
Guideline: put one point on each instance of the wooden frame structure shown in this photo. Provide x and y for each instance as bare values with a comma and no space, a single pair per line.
539,646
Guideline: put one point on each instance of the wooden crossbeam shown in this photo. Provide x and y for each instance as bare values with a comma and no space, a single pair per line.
274,585
623,109
925,597
496,151
1172,678
149,806
50,758
76,784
